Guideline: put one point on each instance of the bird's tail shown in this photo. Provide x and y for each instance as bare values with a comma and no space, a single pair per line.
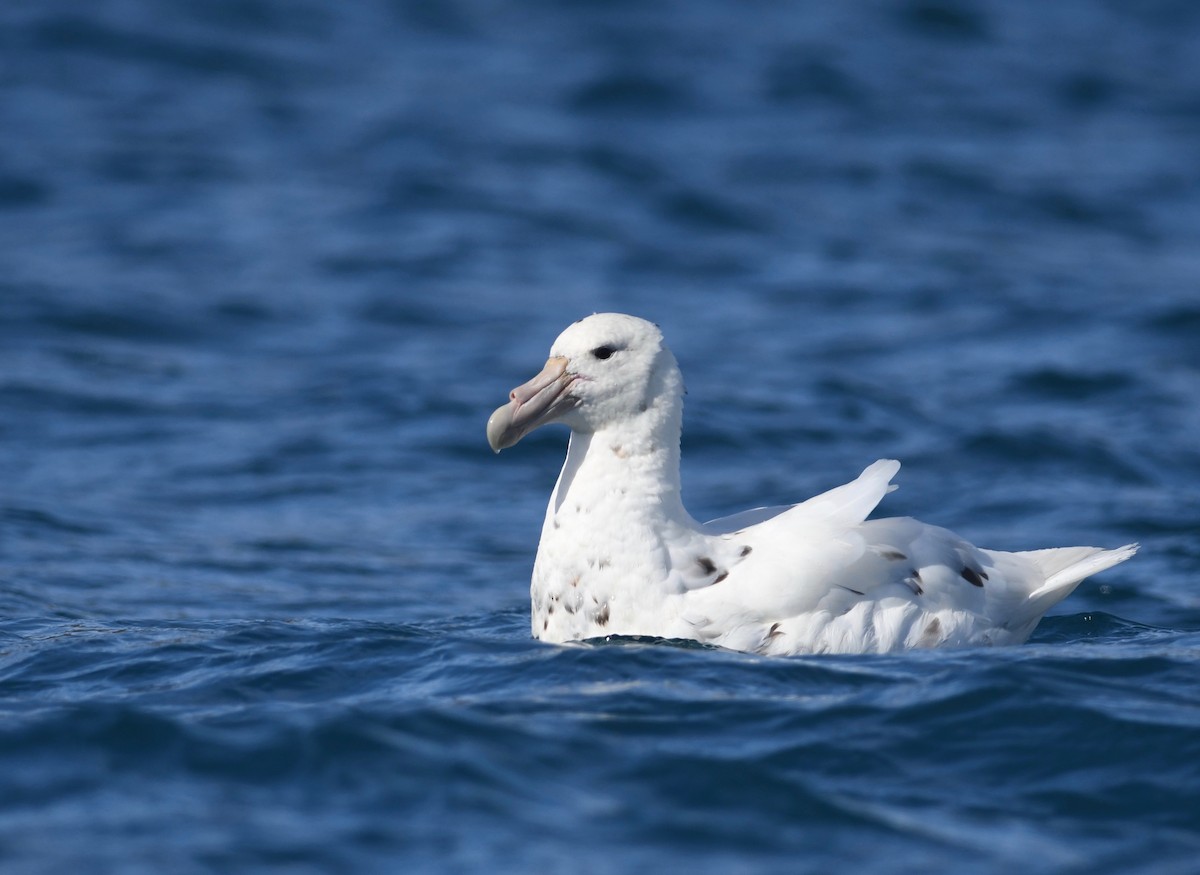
1065,567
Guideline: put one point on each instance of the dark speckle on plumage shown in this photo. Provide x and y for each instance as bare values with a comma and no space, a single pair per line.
971,576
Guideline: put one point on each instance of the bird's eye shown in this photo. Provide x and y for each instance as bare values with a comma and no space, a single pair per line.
603,352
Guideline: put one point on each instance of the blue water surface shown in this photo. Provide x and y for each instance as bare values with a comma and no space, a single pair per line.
268,265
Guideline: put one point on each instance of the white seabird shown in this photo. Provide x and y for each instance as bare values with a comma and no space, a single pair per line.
619,555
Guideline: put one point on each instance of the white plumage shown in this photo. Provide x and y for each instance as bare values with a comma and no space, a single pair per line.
619,555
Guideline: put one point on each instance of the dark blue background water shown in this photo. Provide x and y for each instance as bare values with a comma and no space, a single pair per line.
266,266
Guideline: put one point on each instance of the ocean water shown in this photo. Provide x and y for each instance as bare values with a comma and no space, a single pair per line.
268,266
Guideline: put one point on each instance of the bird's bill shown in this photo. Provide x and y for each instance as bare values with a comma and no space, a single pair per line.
543,399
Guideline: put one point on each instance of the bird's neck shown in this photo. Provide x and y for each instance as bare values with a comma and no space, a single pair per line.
633,465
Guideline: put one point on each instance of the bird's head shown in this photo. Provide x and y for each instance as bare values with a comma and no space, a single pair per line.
602,370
